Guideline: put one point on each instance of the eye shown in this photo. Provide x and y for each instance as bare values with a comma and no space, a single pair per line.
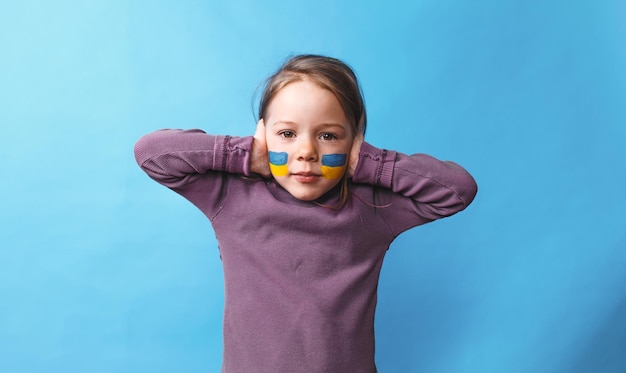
286,134
328,136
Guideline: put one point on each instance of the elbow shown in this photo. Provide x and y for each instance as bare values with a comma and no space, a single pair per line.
467,191
142,149
146,151
456,199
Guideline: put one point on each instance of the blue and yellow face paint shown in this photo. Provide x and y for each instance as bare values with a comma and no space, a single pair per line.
278,163
333,165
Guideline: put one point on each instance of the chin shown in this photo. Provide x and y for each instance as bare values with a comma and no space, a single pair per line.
307,192
305,196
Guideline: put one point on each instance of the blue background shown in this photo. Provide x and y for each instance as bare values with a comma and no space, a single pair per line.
103,270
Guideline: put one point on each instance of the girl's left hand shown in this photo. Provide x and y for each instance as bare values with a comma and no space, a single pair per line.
354,154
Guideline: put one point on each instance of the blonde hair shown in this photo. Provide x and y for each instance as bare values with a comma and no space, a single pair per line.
331,74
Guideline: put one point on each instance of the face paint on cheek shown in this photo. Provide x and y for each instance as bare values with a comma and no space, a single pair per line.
278,163
333,165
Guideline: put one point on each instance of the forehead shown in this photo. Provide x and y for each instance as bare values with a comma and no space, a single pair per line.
305,99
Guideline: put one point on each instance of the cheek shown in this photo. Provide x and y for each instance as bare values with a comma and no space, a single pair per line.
278,163
333,165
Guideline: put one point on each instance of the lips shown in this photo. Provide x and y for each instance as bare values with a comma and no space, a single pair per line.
306,177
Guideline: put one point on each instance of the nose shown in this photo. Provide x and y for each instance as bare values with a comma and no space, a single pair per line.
306,150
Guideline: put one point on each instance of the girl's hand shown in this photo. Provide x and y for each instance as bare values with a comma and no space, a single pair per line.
354,154
259,162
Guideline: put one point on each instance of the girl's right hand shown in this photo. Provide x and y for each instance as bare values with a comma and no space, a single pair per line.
259,162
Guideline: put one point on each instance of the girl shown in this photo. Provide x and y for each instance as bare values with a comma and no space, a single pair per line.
303,212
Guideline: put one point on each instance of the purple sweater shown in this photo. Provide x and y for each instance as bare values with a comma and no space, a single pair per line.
300,278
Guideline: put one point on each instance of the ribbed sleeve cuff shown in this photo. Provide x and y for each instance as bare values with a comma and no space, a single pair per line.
375,166
232,154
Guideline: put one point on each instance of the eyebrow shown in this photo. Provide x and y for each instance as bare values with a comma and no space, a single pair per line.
283,122
329,124
332,124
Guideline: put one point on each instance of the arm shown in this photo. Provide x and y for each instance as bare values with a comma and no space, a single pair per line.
176,157
431,189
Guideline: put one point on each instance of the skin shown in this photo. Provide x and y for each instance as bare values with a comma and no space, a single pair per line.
307,122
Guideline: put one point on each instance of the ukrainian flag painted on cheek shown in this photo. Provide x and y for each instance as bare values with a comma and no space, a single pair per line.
333,165
278,163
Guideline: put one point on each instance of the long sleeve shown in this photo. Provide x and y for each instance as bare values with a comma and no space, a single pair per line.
423,188
175,157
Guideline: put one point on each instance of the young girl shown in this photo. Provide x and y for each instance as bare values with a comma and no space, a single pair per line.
303,212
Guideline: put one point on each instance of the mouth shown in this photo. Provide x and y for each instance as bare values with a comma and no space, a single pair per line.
306,177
